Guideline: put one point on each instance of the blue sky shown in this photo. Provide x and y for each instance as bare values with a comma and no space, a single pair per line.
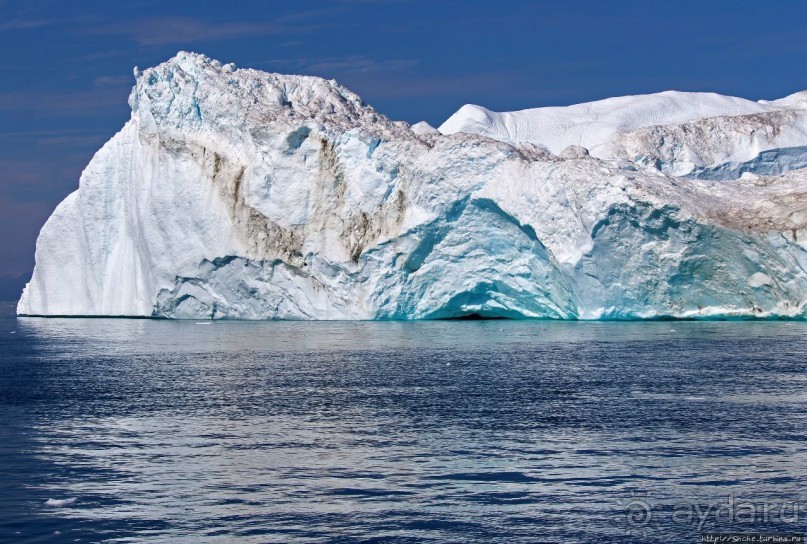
67,66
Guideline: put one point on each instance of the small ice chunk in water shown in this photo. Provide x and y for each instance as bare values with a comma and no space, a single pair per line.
60,502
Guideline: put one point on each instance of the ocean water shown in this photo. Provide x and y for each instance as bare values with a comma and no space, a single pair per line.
475,431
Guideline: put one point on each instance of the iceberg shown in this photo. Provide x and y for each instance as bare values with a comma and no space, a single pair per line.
238,194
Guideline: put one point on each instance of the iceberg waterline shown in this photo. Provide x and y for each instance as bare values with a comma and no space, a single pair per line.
233,193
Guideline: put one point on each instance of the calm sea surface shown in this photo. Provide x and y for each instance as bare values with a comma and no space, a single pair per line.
476,431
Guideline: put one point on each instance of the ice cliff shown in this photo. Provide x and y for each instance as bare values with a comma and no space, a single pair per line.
233,193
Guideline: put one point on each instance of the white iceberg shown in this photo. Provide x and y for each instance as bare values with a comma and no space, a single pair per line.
233,193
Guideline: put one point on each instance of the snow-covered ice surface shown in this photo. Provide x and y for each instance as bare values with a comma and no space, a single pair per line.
233,193
703,135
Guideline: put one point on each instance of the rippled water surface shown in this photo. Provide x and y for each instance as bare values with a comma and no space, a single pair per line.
475,431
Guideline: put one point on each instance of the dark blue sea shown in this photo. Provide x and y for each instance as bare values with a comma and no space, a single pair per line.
132,430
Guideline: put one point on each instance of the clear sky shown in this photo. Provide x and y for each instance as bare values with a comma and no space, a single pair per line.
67,66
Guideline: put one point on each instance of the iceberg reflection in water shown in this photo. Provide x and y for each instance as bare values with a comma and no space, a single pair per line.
476,431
